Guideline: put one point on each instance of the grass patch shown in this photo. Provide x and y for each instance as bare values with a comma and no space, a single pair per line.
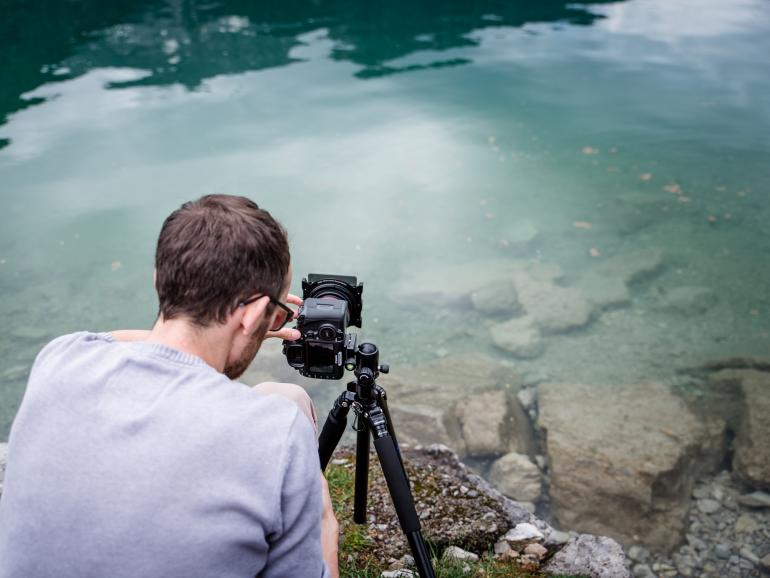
358,549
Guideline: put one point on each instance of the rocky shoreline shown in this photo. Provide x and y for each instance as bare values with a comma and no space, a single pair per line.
610,451
464,517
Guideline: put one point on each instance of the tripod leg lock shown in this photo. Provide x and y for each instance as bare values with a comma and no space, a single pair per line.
377,422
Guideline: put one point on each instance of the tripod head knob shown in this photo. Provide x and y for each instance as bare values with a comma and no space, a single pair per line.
384,368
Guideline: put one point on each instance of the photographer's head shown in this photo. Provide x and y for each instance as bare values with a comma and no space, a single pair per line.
222,271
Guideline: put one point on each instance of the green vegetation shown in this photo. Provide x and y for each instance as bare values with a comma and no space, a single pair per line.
358,550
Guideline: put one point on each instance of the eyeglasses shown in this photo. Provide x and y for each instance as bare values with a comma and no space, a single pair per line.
285,314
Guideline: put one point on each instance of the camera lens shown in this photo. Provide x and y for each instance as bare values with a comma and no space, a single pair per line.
327,333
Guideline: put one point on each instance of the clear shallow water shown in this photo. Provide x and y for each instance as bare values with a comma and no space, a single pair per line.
388,141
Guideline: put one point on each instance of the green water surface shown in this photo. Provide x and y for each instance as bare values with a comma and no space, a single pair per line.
390,138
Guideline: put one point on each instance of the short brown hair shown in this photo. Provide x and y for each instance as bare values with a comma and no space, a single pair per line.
215,252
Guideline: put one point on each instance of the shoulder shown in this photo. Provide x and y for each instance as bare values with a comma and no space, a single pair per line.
69,346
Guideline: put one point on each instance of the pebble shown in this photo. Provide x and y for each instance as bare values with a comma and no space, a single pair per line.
722,551
643,571
638,554
502,547
747,554
536,550
755,500
398,574
708,506
523,533
455,553
745,524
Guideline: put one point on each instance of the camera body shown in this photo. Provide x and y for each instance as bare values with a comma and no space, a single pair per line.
331,303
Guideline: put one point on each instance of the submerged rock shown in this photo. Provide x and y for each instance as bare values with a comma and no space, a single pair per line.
519,337
517,477
485,422
497,298
752,444
622,459
687,301
452,286
604,292
632,267
552,308
422,397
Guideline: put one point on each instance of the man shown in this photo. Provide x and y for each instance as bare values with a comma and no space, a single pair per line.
136,454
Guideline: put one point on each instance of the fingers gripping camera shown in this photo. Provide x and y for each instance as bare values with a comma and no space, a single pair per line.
331,304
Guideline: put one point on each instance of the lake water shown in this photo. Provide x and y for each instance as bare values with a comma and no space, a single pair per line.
391,141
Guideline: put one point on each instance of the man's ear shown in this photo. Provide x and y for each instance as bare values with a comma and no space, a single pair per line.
253,314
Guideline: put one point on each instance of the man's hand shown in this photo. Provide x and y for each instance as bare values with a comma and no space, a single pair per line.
330,531
287,332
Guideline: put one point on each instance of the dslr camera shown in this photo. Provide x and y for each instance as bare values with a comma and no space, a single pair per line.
331,304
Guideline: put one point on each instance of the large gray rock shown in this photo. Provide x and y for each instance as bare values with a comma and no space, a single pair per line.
485,422
632,267
517,477
422,398
554,309
425,424
752,444
497,298
687,300
452,286
520,337
604,292
491,423
622,459
589,556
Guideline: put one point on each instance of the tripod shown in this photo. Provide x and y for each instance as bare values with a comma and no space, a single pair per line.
369,403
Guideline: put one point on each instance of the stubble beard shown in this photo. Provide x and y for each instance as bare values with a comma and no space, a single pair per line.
237,368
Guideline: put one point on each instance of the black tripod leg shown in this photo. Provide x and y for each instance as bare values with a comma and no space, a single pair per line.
362,474
383,400
400,493
334,427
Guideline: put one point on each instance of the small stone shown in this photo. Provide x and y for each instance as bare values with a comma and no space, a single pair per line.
755,500
529,563
523,533
401,573
638,554
643,571
765,562
722,551
747,554
536,550
708,506
745,524
700,492
455,553
695,542
502,547
527,397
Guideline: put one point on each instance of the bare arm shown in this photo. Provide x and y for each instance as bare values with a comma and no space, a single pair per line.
330,532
